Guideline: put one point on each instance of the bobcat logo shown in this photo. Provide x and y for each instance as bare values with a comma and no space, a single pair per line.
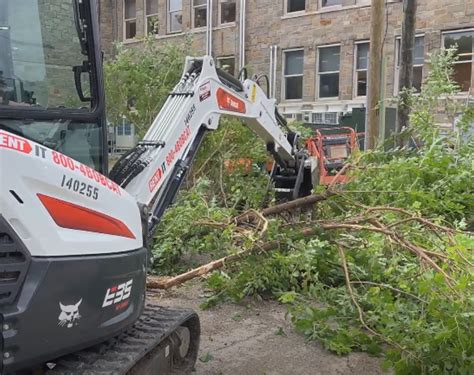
69,315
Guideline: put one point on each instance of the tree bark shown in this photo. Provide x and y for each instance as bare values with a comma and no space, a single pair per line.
167,283
297,203
407,45
377,32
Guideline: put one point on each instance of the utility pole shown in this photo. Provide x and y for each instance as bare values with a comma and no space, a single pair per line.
377,34
406,65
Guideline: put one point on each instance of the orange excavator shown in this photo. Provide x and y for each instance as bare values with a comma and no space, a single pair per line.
330,148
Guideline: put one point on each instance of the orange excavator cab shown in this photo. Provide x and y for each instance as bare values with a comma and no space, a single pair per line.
331,147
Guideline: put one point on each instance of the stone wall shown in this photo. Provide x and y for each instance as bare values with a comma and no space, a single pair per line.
267,25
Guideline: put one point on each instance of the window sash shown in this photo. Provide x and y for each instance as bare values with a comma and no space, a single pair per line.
288,6
285,62
287,76
171,9
222,4
171,23
332,3
399,52
319,62
195,9
128,12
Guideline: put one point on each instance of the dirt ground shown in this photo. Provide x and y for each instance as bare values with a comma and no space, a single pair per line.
256,339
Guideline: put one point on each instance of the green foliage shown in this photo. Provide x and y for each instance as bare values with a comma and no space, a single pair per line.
139,78
213,194
436,177
396,306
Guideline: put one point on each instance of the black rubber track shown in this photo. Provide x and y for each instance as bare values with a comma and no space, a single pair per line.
120,354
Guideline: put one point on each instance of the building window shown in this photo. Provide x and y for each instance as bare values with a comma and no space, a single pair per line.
330,3
293,74
295,6
130,19
119,129
465,51
151,16
328,71
175,16
326,118
227,64
199,13
127,129
361,67
227,10
418,62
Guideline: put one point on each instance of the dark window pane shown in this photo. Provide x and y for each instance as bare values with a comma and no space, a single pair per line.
296,5
294,88
128,129
294,62
228,11
120,130
329,85
130,10
227,64
329,59
362,55
200,17
417,77
419,52
463,41
462,75
362,83
130,29
151,7
327,3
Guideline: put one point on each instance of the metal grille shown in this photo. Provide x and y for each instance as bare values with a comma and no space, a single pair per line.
14,262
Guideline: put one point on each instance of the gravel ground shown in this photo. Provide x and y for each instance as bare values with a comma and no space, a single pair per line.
257,339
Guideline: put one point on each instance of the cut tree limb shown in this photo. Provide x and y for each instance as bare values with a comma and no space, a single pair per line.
167,283
297,203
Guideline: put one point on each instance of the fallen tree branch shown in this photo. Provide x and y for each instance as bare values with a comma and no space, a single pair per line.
169,282
389,287
297,203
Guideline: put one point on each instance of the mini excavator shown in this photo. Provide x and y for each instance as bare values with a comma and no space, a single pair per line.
75,239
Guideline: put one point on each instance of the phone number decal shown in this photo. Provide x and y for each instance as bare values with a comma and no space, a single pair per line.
91,174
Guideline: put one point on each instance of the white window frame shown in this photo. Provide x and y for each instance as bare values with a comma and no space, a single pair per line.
321,6
398,52
284,76
169,13
220,23
125,20
356,71
193,15
149,16
318,73
297,11
471,30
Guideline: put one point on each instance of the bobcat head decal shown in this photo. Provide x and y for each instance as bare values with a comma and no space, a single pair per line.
69,314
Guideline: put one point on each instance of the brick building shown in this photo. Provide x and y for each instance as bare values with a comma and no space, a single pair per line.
314,51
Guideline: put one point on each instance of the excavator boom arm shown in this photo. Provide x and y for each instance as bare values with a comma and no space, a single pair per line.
153,171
